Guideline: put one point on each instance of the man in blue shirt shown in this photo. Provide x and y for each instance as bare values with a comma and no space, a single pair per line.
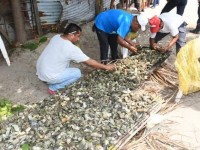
112,26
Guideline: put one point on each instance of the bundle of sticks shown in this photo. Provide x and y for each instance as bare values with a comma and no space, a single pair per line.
165,75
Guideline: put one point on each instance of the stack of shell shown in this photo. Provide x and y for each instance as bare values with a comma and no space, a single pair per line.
90,114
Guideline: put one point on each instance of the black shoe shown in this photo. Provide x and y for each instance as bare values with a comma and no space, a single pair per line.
195,31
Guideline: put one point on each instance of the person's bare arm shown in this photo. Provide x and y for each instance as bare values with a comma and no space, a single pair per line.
171,43
125,44
155,46
93,63
129,41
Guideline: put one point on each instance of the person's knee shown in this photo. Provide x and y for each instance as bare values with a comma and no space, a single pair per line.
182,40
77,73
178,46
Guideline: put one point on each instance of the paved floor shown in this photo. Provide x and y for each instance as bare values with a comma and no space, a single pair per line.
187,113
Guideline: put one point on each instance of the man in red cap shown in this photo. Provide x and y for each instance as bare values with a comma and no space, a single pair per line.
167,23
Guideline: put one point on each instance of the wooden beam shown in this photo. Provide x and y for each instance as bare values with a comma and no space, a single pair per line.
18,21
99,6
37,18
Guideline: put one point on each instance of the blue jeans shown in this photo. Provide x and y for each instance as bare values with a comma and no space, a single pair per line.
70,75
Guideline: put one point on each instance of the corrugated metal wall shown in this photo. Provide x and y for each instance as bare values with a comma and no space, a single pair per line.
49,11
78,10
6,22
106,4
53,11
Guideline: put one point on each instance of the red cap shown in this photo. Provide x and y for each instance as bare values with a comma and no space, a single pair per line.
154,23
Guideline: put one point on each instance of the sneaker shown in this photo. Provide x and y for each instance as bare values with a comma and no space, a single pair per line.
51,92
195,31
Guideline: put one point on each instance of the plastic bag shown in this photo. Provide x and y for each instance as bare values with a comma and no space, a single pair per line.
188,66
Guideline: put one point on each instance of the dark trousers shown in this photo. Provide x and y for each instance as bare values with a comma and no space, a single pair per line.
182,37
137,4
106,40
180,4
198,21
155,2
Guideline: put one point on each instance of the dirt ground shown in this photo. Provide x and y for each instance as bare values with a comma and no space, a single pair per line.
19,82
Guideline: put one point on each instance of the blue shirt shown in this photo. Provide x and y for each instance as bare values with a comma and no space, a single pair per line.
114,21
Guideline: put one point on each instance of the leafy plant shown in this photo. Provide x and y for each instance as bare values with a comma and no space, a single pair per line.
25,146
43,39
31,46
7,109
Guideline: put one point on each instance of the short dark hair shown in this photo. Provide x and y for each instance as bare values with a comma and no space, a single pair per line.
72,28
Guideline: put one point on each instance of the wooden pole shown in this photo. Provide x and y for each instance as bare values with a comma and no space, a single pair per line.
18,21
37,18
99,6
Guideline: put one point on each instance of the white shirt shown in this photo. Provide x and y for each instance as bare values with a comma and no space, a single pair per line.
171,22
56,58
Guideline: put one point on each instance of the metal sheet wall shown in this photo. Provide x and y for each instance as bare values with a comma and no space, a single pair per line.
78,10
49,11
53,11
6,21
106,4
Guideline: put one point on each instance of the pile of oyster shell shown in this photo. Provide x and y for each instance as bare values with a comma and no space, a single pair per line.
92,113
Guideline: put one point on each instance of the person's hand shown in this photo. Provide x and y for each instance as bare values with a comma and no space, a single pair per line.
110,67
139,47
157,47
133,49
160,48
133,44
164,49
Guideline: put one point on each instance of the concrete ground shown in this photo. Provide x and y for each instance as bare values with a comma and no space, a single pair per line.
187,114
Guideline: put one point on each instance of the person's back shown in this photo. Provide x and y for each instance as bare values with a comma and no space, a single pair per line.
171,23
111,20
